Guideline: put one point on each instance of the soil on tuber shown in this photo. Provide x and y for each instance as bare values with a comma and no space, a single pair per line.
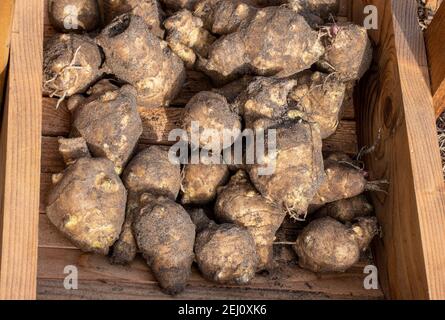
187,37
209,114
201,181
343,180
71,64
346,210
87,204
149,10
165,235
74,15
294,169
136,56
109,121
327,245
264,47
225,253
348,51
223,17
149,171
240,203
318,98
73,149
265,102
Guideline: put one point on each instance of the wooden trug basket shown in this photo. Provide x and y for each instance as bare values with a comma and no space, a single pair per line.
393,101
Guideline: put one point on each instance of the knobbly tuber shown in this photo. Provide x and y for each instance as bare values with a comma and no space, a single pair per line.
149,171
277,41
327,245
224,253
318,98
200,182
109,121
187,37
240,203
71,64
165,235
149,10
134,55
74,15
152,171
343,181
264,103
346,210
348,51
222,17
73,149
87,204
209,113
297,167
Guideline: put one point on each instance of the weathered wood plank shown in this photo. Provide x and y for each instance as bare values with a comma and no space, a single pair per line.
289,280
6,13
50,289
435,44
20,155
158,123
396,101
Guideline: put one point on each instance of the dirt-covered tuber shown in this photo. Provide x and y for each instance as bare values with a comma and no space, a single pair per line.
346,210
134,55
71,64
297,165
225,16
240,203
327,245
149,171
210,115
348,51
149,10
74,15
318,98
73,149
109,121
87,204
343,181
187,37
265,102
224,253
201,181
277,41
165,235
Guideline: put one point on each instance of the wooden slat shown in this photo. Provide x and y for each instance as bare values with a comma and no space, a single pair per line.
50,289
20,155
6,13
435,44
345,139
396,101
288,281
158,122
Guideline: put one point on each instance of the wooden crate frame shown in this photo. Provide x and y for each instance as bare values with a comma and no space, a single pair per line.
396,104
435,46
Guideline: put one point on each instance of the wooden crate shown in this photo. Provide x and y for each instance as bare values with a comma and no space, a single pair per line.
393,101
